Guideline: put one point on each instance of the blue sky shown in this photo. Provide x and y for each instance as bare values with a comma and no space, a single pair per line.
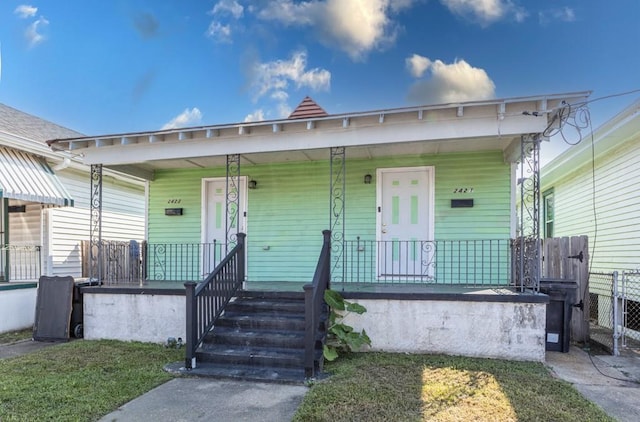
136,65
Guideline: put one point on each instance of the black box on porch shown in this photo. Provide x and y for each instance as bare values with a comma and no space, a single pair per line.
558,322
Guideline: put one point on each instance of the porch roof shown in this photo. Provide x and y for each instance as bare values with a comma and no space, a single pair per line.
25,177
430,129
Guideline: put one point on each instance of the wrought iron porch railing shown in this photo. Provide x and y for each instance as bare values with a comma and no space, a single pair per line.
206,300
132,262
314,309
20,263
182,261
441,262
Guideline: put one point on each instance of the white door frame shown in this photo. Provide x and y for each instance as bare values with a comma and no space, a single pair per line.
430,170
242,212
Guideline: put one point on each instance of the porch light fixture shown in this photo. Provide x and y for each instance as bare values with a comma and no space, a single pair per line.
367,179
253,184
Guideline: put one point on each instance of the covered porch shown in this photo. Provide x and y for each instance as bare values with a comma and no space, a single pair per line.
418,206
414,195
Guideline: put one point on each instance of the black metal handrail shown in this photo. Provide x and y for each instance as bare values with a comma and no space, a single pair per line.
314,304
206,300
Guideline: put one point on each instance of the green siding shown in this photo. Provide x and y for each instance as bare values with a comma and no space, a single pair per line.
290,207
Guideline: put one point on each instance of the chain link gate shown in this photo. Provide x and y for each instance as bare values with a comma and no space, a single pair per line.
603,312
629,298
614,312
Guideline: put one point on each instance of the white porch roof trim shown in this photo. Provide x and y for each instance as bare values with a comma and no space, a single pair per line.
471,122
25,177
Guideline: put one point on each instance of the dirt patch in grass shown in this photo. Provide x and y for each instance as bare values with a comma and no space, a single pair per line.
13,336
400,387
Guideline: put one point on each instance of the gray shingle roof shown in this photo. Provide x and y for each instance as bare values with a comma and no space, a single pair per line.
18,123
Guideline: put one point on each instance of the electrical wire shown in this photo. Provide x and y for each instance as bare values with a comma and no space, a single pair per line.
576,115
595,232
608,376
604,97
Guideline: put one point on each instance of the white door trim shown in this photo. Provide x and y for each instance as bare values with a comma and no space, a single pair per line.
242,212
430,198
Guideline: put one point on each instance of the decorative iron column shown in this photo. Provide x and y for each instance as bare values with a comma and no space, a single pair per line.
95,229
232,226
528,253
337,212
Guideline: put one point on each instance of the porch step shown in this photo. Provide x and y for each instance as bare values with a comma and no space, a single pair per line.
268,374
253,356
261,321
266,305
260,336
256,337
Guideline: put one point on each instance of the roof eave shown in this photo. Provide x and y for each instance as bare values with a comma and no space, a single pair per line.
581,95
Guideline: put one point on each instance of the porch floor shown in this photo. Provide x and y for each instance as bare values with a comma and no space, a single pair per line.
288,286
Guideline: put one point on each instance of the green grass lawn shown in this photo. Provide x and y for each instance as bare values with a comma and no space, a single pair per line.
401,387
85,380
80,380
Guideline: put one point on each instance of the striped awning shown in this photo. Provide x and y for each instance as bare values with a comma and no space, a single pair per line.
28,178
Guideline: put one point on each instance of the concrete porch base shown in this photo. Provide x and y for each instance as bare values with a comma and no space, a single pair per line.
504,329
491,323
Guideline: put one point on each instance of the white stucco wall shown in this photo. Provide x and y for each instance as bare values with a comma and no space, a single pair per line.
18,309
505,330
134,317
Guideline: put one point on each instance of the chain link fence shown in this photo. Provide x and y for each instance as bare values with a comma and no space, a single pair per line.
630,300
603,309
614,311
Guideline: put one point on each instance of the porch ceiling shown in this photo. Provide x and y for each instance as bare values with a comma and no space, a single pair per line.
319,154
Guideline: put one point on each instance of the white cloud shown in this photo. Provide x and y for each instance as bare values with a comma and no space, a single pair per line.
354,26
186,118
219,32
564,14
26,11
485,12
256,116
417,65
284,110
228,7
274,78
34,37
454,82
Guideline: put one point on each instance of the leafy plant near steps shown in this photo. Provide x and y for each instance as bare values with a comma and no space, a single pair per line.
340,336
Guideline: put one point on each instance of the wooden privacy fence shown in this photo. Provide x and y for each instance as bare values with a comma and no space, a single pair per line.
567,259
121,262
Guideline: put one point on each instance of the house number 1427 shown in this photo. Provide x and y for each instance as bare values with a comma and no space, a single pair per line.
463,190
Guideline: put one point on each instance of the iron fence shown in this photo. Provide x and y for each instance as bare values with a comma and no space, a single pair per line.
448,262
135,262
182,261
20,263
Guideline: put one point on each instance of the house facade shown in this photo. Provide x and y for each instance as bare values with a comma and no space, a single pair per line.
45,211
590,189
416,197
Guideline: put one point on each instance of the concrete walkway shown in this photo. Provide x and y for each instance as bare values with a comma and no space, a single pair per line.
611,382
22,347
200,399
